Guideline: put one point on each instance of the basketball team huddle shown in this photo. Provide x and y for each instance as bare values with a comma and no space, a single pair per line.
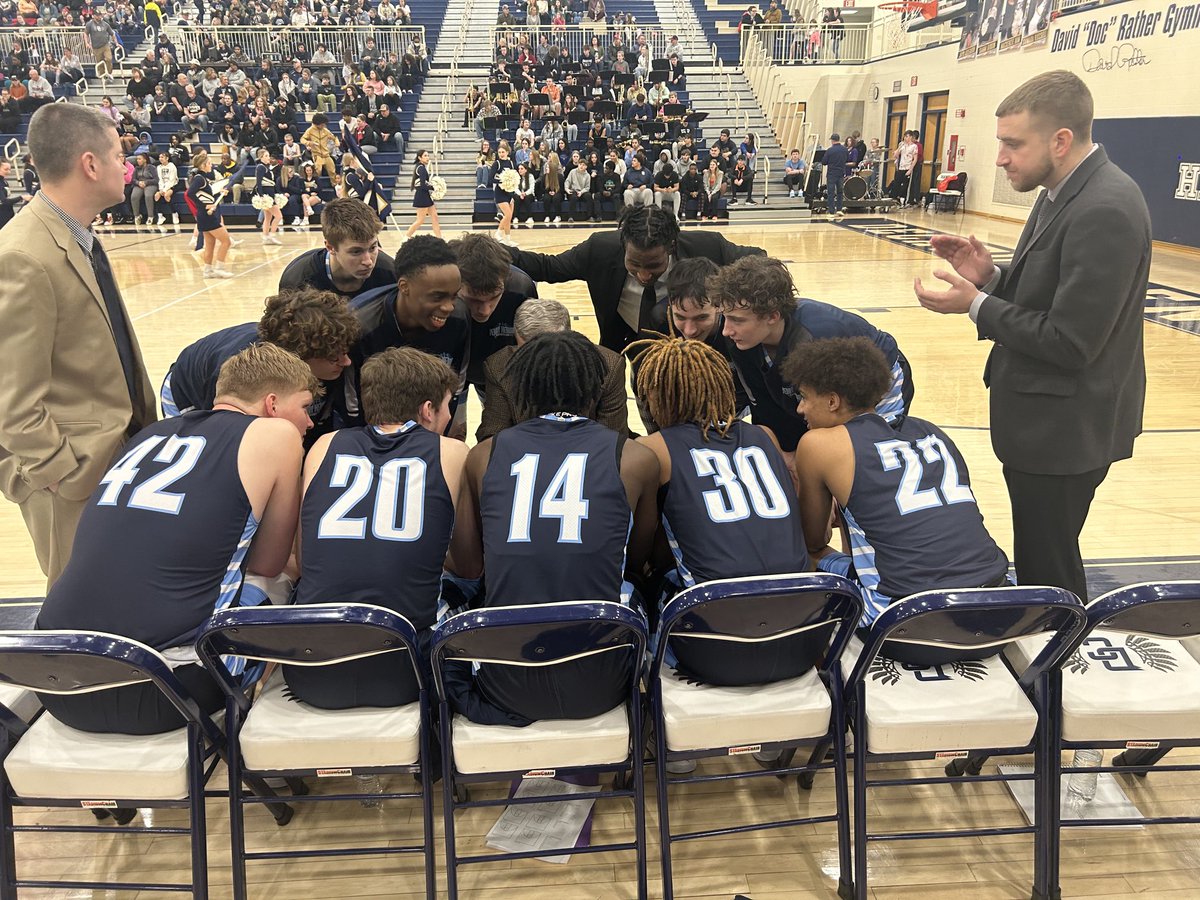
316,457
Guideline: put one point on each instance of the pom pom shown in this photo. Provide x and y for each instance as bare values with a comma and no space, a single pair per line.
262,201
282,199
437,187
509,180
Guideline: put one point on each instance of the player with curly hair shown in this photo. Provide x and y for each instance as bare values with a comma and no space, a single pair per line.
316,325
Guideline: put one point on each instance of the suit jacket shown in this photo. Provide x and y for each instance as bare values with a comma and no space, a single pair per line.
600,261
1067,374
612,411
64,406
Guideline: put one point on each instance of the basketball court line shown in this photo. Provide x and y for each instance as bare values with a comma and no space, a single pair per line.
205,289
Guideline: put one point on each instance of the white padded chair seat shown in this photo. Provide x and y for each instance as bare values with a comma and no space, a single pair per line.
1119,687
282,733
54,760
963,706
705,716
549,744
24,704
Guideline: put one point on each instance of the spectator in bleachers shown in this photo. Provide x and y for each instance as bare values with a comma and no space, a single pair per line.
578,190
749,150
666,189
741,180
484,160
10,113
30,179
311,200
551,188
525,194
637,183
596,11
714,188
41,91
168,176
107,108
101,37
320,143
794,170
70,69
692,193
773,15
144,189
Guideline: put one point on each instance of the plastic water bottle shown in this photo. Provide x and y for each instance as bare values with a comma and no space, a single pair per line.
1082,786
370,784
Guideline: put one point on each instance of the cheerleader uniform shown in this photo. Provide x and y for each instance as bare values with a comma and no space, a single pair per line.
497,167
422,198
200,193
265,185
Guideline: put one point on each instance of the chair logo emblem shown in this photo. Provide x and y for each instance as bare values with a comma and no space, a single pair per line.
888,671
1118,658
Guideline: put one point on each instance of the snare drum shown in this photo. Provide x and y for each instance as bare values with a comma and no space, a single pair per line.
854,187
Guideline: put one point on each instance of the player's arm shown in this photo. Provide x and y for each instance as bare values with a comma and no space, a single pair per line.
816,500
570,265
269,462
788,458
640,473
613,410
29,319
466,544
454,461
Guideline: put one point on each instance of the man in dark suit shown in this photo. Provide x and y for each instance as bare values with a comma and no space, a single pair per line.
624,269
1067,373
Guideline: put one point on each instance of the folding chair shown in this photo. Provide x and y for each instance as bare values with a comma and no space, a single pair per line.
276,736
1129,683
542,636
902,711
814,617
53,765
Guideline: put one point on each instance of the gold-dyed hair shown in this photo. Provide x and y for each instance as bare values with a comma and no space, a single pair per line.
263,369
396,381
683,381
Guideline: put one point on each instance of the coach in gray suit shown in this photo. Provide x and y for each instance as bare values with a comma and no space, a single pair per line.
1067,373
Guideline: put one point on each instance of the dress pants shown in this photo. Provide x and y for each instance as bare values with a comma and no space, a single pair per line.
1048,514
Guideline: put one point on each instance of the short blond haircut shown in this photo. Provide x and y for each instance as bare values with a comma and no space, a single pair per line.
263,369
397,381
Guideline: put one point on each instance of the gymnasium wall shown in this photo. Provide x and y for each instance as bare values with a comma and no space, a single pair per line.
1140,59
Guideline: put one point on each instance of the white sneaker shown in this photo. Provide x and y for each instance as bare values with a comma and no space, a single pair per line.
219,272
208,272
557,220
174,218
138,220
234,242
299,220
161,220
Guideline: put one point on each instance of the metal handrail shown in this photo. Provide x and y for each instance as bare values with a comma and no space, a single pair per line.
573,38
278,43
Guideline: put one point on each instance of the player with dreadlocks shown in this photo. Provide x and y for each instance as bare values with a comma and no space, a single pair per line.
553,508
727,497
624,269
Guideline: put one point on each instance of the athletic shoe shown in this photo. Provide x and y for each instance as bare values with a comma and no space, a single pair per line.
752,202
299,220
274,239
161,220
234,242
137,220
558,220
840,214
218,272
733,203
175,218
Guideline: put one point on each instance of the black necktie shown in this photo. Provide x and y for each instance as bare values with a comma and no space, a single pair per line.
649,300
116,315
1044,212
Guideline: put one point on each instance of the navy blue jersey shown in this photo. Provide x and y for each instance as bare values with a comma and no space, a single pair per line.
191,382
729,508
913,520
375,523
376,313
773,402
556,520
311,269
193,377
162,540
498,331
265,181
555,513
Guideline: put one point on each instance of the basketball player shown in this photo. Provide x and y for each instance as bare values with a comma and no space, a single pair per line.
376,518
313,324
766,322
902,487
493,289
195,502
728,501
553,509
421,310
351,262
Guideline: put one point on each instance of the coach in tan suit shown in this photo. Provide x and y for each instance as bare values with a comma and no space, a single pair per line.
74,386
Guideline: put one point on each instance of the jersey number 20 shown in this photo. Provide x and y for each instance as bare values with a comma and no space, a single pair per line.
399,492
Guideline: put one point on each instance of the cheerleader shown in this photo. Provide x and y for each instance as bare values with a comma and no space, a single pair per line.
266,197
208,218
504,199
422,199
310,193
360,184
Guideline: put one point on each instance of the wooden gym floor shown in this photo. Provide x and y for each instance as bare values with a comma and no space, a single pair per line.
1145,524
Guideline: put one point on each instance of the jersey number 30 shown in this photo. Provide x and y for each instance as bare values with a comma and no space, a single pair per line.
745,484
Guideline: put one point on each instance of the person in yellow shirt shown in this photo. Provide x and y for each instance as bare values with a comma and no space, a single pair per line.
319,141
